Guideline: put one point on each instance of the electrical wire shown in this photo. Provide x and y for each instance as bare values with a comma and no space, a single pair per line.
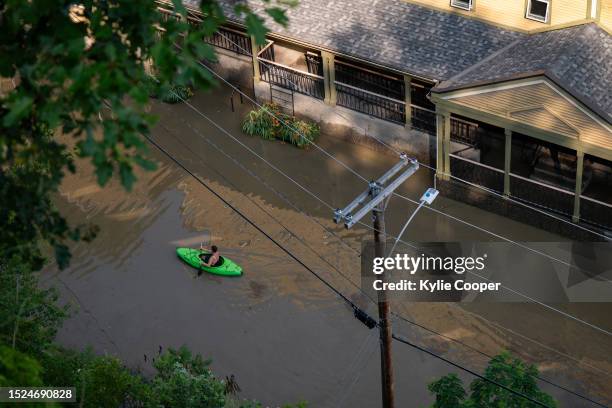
344,276
403,340
482,353
297,237
406,198
331,287
394,193
250,222
396,151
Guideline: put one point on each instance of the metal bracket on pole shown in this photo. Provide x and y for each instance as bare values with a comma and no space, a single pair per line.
377,191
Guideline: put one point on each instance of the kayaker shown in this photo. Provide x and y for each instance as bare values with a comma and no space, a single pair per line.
213,258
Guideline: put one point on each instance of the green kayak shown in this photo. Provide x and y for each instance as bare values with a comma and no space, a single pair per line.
225,266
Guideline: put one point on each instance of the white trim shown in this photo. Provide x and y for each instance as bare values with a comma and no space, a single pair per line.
503,87
522,83
536,17
458,4
593,9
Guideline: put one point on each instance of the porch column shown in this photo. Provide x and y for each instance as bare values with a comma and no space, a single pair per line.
447,146
578,190
254,51
507,161
329,77
442,147
408,99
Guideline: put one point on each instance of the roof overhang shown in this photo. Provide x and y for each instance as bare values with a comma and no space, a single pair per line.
533,106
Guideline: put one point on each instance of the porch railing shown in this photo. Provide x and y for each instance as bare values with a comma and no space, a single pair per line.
477,173
367,80
542,195
464,131
231,40
370,103
291,78
596,212
423,119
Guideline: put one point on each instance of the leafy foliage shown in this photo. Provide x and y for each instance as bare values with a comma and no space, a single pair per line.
171,94
184,380
29,315
503,369
264,122
72,61
100,381
18,369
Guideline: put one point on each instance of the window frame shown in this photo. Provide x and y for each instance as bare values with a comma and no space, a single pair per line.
536,17
470,6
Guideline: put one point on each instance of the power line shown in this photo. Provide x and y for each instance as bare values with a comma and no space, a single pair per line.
284,198
331,287
474,373
405,198
511,199
365,180
250,222
474,349
393,149
302,241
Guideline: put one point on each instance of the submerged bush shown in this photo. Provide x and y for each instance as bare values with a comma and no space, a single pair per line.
263,122
176,93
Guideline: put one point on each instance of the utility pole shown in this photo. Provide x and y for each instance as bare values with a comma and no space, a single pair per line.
385,332
377,192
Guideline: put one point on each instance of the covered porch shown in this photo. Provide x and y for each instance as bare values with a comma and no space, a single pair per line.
534,143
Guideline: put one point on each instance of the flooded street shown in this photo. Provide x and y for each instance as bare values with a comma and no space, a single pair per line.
284,335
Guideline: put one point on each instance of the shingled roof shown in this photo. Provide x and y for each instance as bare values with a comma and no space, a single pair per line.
393,33
578,59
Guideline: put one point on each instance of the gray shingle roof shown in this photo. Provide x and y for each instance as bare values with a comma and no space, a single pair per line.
393,33
579,59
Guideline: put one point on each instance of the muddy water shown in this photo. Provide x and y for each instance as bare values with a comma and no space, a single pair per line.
280,331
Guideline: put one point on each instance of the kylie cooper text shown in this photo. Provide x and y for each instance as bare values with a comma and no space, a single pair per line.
411,264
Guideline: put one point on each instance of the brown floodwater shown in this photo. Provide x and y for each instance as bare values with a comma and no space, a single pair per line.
283,334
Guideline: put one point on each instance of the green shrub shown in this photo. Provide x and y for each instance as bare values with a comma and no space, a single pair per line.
169,94
176,94
299,133
269,123
260,123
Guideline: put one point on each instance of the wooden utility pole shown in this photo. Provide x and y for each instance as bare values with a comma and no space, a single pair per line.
373,199
386,366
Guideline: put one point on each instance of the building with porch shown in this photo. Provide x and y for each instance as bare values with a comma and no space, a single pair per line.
513,97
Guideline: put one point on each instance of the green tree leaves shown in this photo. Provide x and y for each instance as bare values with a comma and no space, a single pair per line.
29,316
74,63
502,369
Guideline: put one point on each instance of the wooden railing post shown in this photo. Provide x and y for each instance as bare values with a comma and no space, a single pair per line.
408,99
507,161
329,77
254,51
578,190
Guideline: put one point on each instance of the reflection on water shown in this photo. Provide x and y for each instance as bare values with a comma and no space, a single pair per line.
278,329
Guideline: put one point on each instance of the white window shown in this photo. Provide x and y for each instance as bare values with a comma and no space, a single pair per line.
538,10
462,4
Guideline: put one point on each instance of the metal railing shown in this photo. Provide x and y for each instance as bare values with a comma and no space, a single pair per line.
596,212
463,131
423,119
291,78
370,103
542,195
477,173
231,40
368,80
